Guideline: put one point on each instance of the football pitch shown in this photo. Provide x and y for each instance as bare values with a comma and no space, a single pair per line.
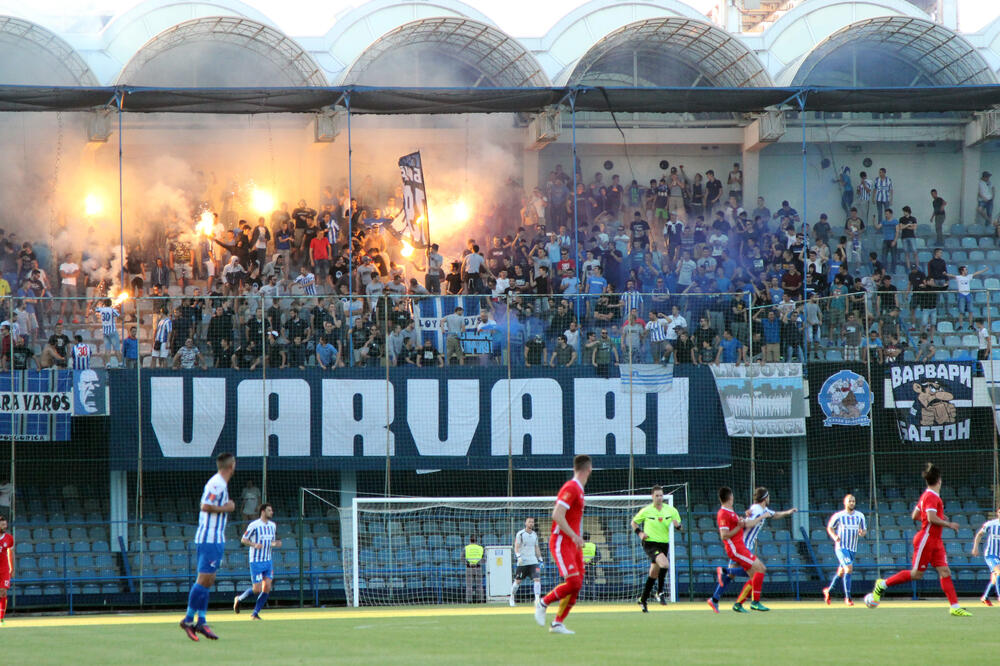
806,632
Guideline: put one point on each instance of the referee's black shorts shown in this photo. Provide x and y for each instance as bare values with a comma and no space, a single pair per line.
655,548
526,571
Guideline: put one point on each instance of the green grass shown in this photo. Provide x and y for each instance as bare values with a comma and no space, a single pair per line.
916,633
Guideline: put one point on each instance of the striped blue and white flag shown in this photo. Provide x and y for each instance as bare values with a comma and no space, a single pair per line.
429,310
647,377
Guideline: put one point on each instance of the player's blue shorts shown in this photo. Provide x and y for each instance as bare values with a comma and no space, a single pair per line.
261,571
992,561
845,557
210,557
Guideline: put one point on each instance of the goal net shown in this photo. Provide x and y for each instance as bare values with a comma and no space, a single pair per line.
412,550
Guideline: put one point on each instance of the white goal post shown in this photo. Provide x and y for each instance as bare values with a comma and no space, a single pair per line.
410,550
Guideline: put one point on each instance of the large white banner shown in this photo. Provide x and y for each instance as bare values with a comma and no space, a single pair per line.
765,400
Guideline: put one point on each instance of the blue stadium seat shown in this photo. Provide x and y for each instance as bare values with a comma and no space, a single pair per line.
969,242
987,242
324,542
945,327
435,541
156,545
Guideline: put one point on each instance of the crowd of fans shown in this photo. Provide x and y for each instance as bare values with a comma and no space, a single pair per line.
667,271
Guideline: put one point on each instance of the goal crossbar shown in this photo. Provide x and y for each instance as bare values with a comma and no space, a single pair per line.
410,505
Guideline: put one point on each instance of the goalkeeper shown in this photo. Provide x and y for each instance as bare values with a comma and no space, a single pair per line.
529,559
652,524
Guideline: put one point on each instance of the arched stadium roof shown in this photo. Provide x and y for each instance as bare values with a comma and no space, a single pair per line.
31,54
447,51
671,51
222,51
896,51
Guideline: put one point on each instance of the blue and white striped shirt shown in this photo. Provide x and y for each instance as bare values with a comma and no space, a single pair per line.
848,524
658,329
631,300
991,529
212,526
308,282
750,536
163,330
263,533
81,356
108,317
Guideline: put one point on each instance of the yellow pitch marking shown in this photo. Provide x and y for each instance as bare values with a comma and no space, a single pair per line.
221,616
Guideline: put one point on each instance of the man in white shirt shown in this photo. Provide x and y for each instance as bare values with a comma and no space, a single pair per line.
985,197
963,283
985,340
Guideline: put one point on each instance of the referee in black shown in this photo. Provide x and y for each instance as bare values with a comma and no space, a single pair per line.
652,524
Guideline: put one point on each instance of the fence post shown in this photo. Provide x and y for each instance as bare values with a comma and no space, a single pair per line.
872,485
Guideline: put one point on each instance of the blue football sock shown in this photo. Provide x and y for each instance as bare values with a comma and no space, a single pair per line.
718,590
261,602
834,581
847,586
986,592
196,598
246,593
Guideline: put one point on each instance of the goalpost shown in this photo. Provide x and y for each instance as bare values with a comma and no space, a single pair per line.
410,550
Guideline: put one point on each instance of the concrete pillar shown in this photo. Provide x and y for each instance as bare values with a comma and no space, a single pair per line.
751,178
800,486
530,176
971,172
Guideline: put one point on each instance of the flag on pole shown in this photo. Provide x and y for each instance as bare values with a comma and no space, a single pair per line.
647,377
412,224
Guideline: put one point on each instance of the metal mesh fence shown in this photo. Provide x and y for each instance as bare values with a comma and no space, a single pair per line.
397,395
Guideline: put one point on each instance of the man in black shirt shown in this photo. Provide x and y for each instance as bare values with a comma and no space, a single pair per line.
937,205
682,348
937,270
222,353
495,256
22,354
297,327
639,229
55,353
534,351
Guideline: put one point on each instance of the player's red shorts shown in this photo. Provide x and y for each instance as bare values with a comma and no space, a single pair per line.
566,555
4,581
740,555
928,551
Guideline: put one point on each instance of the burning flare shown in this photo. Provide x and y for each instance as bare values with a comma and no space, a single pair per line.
262,201
460,212
206,223
92,205
407,250
120,298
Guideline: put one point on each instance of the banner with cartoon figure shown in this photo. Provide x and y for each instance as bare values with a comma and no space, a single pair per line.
933,401
846,399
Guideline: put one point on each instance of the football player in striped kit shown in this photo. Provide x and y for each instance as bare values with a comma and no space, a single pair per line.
845,528
757,514
991,553
259,537
210,540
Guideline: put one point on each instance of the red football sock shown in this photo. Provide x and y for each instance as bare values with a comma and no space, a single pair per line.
3,607
949,590
560,591
565,606
899,579
758,585
745,592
